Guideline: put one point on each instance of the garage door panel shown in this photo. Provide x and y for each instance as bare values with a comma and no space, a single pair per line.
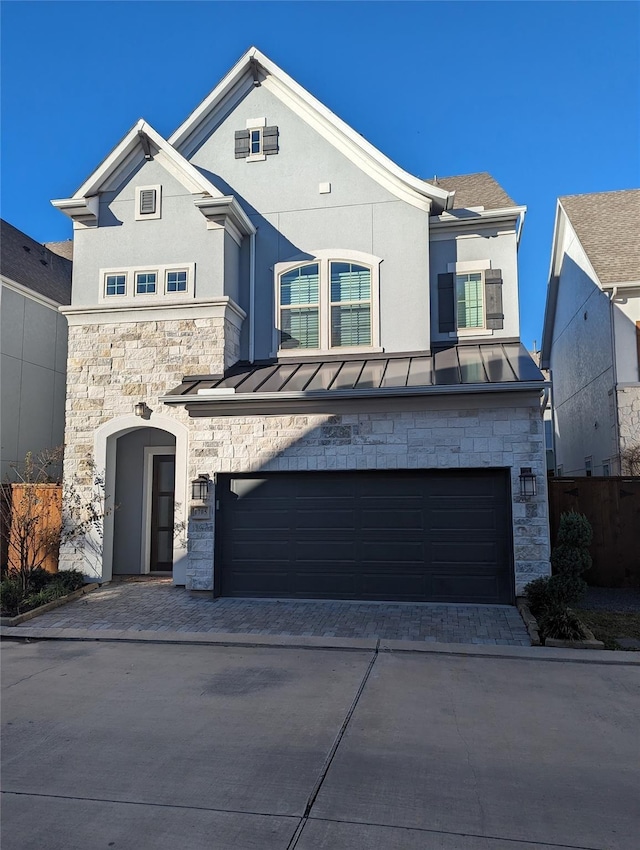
430,535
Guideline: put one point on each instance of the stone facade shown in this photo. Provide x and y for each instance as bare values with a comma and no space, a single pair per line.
629,417
112,366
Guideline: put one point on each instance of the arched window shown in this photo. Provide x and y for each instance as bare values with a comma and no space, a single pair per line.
330,303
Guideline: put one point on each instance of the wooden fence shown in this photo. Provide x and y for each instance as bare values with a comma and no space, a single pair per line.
42,504
612,506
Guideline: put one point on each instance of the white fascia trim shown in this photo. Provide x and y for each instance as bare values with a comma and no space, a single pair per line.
335,130
84,201
83,209
623,284
25,291
452,219
452,389
111,314
223,207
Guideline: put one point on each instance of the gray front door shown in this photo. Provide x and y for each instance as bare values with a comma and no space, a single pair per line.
162,509
399,535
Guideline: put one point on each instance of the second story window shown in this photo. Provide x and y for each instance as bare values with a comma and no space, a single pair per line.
470,300
255,142
145,283
115,284
326,305
177,281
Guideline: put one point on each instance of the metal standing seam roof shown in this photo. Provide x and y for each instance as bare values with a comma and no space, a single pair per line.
482,367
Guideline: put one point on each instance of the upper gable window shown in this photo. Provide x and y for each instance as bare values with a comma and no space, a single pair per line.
327,304
470,299
115,284
148,201
257,141
142,285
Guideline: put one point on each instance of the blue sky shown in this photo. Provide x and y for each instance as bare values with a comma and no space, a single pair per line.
543,95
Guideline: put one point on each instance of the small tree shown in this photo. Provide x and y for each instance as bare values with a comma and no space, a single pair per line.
570,558
630,457
31,541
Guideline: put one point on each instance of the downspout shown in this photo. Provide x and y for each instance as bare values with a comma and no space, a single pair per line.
616,420
252,295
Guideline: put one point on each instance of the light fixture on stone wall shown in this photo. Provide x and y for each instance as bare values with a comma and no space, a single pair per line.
141,409
200,488
527,482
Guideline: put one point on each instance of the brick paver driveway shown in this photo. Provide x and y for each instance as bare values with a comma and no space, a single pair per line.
155,605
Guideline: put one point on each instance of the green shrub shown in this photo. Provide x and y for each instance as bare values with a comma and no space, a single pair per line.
538,595
10,596
37,579
70,580
47,594
566,589
561,623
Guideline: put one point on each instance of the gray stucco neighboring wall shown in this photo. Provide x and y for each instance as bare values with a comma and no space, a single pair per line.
582,371
34,357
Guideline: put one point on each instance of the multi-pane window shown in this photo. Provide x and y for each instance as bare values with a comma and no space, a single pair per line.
116,284
145,283
469,300
177,281
350,304
255,141
326,305
300,307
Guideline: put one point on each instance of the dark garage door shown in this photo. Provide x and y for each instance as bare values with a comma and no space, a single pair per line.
411,535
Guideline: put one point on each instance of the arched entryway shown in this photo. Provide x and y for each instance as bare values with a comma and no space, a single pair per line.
145,466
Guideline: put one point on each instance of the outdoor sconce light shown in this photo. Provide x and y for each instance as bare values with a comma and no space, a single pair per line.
200,488
527,482
141,409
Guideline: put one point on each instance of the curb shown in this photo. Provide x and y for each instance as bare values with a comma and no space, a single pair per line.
249,641
530,621
50,606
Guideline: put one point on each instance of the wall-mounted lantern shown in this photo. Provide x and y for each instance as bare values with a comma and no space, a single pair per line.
141,410
200,488
527,482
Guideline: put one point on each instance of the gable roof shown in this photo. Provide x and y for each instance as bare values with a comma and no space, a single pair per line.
476,190
143,137
62,249
606,223
254,68
28,263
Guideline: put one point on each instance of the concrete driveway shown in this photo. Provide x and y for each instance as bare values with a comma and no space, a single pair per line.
136,746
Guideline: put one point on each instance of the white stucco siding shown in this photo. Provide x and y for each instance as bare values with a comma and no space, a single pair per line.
582,366
178,237
484,244
281,195
626,315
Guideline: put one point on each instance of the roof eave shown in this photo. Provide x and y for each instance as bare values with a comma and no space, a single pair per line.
450,219
419,190
382,392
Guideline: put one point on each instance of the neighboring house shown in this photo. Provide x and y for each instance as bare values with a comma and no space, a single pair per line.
324,344
35,282
591,338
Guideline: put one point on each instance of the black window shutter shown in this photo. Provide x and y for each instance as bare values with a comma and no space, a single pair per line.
493,295
446,304
147,201
270,141
242,144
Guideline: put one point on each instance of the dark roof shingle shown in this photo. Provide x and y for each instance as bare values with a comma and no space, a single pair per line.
475,190
608,227
27,262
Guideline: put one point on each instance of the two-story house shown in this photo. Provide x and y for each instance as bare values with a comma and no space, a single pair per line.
591,339
299,365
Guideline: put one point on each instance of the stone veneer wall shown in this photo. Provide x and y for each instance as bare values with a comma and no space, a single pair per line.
111,366
114,365
446,438
629,416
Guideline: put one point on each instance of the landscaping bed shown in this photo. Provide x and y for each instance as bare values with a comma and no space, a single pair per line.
22,594
616,629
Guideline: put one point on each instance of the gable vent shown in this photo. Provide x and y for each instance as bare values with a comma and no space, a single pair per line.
148,201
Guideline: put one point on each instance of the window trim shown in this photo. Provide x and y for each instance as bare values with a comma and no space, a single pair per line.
470,267
324,258
140,216
131,272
